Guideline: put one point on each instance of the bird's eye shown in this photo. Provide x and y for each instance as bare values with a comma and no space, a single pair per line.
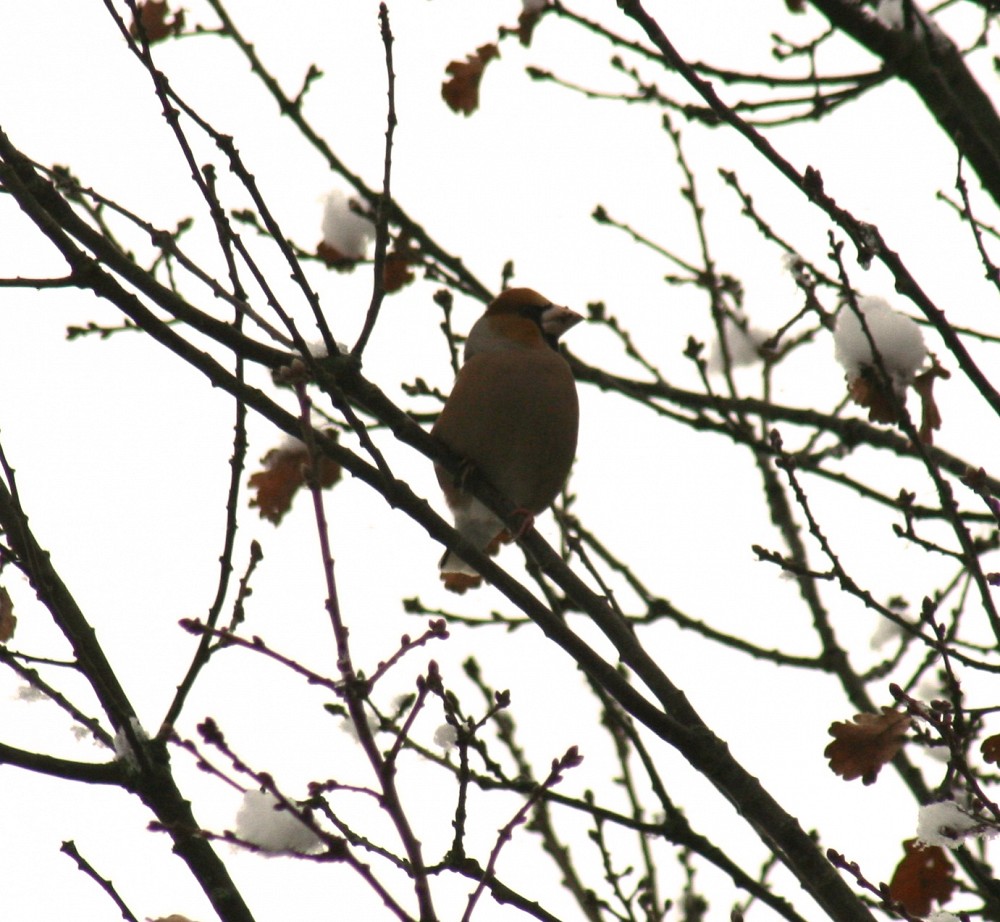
534,311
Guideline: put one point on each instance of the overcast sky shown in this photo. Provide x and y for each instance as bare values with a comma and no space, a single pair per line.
121,452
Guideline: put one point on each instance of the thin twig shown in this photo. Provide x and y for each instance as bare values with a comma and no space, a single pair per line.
382,208
69,848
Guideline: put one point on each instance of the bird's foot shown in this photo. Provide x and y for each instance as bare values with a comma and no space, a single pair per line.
527,520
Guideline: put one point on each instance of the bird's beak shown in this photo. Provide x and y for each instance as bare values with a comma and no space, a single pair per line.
557,320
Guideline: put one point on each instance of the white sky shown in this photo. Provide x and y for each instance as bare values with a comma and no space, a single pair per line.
121,452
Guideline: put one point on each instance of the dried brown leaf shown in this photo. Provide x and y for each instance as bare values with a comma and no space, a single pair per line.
861,747
990,748
396,271
461,92
526,23
334,258
924,874
867,391
155,25
8,621
286,469
930,415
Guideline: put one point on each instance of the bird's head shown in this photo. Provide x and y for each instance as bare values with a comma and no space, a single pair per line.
520,317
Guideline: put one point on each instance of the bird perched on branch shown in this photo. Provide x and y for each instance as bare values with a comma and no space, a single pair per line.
513,414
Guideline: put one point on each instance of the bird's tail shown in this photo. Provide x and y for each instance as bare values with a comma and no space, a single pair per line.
481,528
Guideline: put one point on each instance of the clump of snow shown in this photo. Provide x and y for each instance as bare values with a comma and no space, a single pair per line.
318,350
445,736
347,725
948,825
346,232
30,693
930,688
885,632
799,270
263,822
890,13
743,343
792,262
898,339
123,748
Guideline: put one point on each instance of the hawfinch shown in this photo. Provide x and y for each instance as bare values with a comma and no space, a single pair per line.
512,414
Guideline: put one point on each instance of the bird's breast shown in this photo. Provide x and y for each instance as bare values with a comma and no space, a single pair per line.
515,416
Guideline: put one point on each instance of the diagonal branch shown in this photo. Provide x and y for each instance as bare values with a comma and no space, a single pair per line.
929,61
866,237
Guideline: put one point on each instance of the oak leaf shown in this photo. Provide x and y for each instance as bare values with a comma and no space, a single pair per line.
461,92
868,391
862,746
152,16
526,23
8,621
990,748
925,873
334,258
285,470
396,271
930,415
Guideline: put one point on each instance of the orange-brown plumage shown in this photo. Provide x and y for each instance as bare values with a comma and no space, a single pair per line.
513,413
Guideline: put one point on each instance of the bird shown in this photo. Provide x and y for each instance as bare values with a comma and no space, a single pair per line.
513,415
